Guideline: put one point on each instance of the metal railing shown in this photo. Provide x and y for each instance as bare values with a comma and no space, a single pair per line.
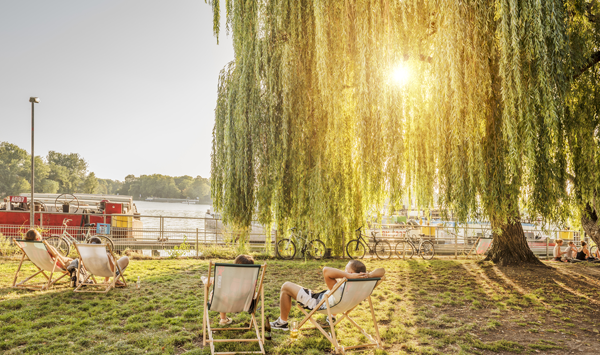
457,241
156,234
163,233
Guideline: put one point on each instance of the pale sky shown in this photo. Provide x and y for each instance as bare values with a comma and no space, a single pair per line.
131,85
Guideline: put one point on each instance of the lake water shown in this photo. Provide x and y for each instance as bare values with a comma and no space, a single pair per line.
166,209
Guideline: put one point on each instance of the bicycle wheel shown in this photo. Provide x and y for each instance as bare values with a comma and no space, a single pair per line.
355,249
316,249
593,251
60,244
404,250
426,250
104,239
286,249
383,249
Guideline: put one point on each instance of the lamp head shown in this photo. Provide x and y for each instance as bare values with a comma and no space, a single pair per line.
34,99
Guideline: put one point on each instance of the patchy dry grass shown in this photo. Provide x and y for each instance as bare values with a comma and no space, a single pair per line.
424,307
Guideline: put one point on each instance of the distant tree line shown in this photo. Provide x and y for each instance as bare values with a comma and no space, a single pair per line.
68,173
157,185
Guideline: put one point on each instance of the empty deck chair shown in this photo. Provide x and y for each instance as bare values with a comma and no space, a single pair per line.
354,292
37,252
483,246
93,258
235,288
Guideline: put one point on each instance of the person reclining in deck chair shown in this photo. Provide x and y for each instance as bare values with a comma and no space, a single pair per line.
354,270
240,259
63,261
123,262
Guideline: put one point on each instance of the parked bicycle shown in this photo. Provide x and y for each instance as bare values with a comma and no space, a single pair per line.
286,248
405,248
356,248
63,243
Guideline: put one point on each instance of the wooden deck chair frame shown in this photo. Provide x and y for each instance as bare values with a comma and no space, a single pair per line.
51,281
374,341
104,286
476,246
258,293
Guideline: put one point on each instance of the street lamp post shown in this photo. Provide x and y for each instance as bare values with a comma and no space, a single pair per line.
33,100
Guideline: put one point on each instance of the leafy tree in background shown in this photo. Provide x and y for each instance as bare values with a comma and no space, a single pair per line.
12,162
109,187
42,170
67,173
316,123
69,170
130,180
183,183
200,189
90,184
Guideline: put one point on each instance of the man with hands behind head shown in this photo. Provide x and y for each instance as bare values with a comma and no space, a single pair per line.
354,270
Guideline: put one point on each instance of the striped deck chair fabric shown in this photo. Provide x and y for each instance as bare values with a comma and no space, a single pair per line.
353,292
94,259
235,288
37,252
483,245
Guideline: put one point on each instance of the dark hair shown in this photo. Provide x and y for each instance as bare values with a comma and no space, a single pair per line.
31,234
583,244
357,266
95,240
244,259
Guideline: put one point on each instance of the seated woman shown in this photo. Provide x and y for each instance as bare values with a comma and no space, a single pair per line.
122,262
558,253
584,253
62,261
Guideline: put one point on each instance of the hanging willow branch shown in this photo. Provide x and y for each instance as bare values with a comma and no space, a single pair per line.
311,128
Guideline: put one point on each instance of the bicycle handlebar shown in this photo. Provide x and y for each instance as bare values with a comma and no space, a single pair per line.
65,221
359,228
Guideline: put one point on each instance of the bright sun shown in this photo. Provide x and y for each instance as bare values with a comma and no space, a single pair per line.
401,75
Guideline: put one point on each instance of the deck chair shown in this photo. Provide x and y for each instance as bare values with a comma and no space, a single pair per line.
354,292
37,252
483,246
93,258
235,288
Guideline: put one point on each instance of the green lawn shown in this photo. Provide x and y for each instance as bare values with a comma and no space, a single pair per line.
424,307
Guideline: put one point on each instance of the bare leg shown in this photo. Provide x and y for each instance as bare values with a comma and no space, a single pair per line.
223,316
288,291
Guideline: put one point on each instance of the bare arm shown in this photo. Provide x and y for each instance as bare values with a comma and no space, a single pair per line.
331,275
376,273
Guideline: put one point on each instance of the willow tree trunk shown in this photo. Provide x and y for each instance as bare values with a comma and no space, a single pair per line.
589,222
510,246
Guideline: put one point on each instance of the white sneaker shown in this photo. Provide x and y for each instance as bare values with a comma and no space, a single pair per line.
226,321
279,324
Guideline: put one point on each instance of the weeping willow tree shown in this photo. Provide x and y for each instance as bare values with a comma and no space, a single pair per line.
583,114
331,107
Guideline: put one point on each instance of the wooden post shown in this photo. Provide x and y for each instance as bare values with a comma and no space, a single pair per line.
547,255
456,245
196,242
160,233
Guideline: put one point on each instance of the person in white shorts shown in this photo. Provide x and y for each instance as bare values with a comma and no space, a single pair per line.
354,270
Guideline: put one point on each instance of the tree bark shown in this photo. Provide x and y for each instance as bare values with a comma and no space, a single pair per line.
589,222
510,246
